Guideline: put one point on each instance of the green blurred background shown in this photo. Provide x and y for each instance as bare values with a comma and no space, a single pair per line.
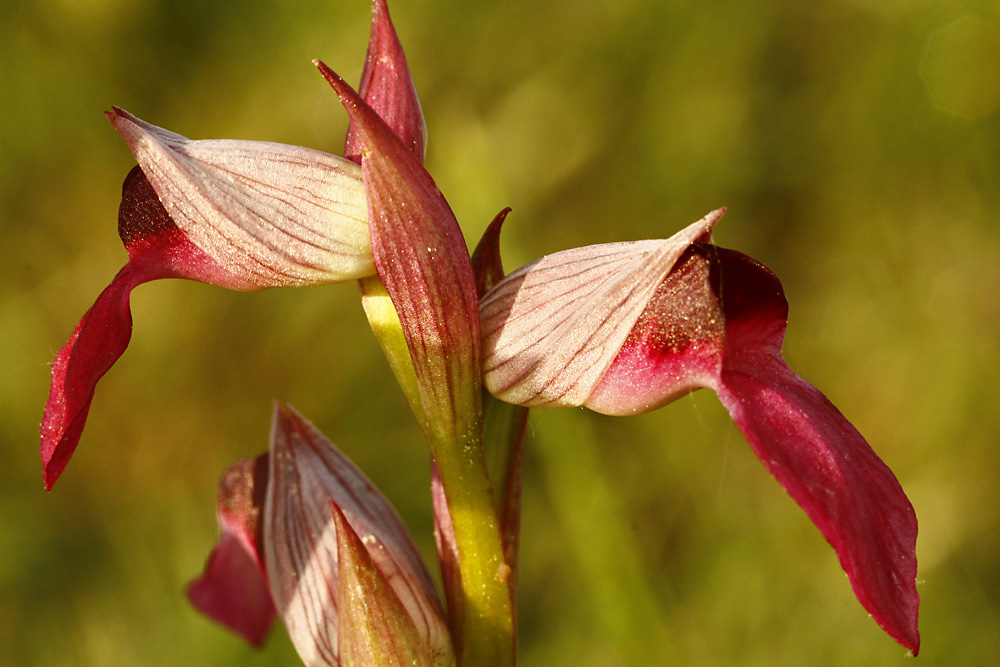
855,142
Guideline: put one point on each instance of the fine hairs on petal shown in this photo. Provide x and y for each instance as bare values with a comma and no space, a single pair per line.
713,318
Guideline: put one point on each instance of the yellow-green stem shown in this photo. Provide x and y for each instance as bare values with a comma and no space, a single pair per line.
482,622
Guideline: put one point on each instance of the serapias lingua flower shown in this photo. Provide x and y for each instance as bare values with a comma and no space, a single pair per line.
306,535
245,215
625,328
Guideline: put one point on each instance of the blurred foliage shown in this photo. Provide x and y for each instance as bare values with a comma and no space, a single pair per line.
855,142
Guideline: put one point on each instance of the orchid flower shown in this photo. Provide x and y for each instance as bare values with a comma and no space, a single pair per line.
306,536
627,327
244,215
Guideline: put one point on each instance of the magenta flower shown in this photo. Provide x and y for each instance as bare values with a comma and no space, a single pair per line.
238,214
625,328
304,534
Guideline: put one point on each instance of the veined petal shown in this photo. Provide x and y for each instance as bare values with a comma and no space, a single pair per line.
237,214
551,329
233,589
307,473
388,89
717,320
674,347
157,248
268,213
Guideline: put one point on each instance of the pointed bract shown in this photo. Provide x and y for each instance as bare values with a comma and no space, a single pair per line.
421,257
486,263
388,89
307,473
233,589
375,628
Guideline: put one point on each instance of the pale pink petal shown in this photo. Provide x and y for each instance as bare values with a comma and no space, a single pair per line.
270,214
718,320
674,347
551,329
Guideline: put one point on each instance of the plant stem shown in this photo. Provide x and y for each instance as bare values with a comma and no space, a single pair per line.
480,606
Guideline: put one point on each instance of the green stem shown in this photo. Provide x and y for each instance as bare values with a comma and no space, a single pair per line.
482,622
481,613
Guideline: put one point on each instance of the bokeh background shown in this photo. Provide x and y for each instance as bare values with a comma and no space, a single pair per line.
855,142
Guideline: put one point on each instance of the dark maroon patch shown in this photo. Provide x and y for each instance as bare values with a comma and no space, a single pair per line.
141,214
